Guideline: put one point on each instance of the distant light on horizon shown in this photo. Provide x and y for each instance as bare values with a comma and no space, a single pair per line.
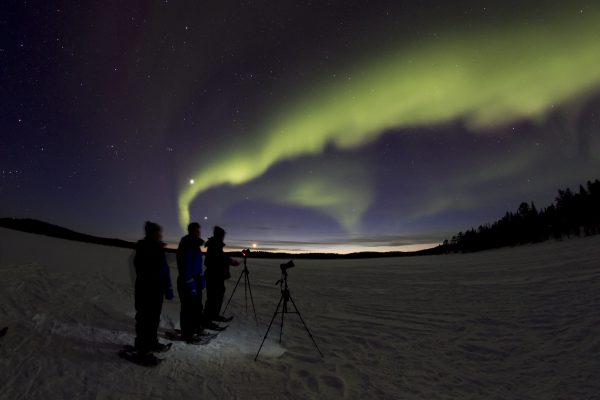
337,248
192,182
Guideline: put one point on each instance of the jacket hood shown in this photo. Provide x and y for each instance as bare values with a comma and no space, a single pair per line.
150,243
212,242
192,241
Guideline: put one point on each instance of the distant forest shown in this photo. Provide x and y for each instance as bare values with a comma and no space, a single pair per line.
571,214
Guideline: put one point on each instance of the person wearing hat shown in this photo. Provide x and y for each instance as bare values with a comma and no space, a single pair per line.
152,284
217,271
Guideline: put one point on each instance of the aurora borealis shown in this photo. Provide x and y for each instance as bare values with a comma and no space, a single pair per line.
333,126
490,79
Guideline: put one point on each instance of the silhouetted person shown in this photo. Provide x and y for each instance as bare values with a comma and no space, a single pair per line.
189,283
152,283
217,271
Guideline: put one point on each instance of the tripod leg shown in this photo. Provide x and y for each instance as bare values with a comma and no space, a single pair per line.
283,311
246,289
306,327
231,297
252,300
269,328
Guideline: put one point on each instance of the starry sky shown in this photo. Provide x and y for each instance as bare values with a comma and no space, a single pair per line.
298,126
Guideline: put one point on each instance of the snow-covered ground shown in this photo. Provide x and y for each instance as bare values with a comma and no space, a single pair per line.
521,323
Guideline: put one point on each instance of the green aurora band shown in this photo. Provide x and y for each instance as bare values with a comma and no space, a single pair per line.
497,76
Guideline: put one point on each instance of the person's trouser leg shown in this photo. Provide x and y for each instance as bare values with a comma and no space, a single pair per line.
211,310
186,314
219,297
155,321
148,308
198,308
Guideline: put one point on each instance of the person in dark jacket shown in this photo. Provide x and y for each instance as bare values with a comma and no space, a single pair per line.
189,283
152,283
217,271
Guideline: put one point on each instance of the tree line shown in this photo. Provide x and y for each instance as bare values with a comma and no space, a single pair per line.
571,214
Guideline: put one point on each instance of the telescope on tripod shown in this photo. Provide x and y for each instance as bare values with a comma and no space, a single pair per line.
284,299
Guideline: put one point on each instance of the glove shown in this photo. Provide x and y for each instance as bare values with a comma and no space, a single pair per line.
169,294
193,289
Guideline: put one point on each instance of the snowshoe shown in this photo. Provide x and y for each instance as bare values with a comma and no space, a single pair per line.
214,327
203,333
195,339
144,359
162,347
201,339
221,318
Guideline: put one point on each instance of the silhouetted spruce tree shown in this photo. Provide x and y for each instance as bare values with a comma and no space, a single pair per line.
571,214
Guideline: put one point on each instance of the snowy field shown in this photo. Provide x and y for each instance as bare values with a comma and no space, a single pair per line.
520,323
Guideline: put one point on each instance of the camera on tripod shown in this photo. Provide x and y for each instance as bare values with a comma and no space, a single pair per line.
286,266
247,287
283,303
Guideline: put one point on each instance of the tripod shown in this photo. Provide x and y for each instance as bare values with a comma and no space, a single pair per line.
247,288
285,297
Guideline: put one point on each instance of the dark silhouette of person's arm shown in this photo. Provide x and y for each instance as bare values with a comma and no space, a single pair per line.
166,279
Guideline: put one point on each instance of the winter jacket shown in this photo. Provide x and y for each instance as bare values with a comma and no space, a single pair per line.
216,262
151,268
189,261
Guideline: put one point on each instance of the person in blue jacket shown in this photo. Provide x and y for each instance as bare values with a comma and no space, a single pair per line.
152,284
189,283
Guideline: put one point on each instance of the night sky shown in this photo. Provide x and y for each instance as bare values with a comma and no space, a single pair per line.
325,125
